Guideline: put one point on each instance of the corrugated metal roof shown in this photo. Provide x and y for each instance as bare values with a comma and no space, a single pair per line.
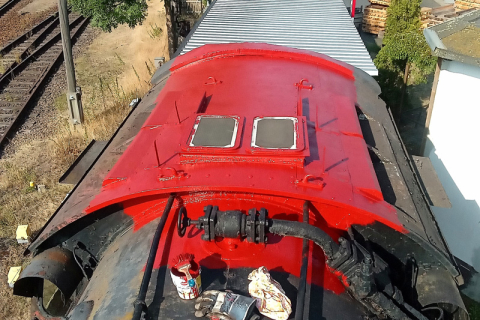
322,26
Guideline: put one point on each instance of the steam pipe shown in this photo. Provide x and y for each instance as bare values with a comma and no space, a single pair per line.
140,302
304,231
303,271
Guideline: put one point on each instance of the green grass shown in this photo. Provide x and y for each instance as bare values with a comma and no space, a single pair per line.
155,31
60,103
473,308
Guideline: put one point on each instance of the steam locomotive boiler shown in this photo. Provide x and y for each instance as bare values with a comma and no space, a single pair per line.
248,155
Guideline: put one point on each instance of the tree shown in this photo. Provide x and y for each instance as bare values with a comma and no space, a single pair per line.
405,54
108,14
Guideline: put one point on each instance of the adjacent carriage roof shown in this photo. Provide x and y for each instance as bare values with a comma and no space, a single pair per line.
323,26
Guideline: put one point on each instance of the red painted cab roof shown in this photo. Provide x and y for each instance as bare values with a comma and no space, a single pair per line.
247,83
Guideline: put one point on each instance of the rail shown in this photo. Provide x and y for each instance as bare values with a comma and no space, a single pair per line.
18,86
6,6
18,49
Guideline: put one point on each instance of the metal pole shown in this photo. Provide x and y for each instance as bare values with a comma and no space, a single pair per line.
139,304
74,93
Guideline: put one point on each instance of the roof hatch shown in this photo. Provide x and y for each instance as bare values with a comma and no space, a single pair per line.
214,131
275,133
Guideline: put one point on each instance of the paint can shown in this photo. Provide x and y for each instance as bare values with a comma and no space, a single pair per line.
188,289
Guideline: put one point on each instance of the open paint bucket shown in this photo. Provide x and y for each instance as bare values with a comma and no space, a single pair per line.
188,289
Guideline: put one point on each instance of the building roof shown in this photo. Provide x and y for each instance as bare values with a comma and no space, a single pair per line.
323,26
457,39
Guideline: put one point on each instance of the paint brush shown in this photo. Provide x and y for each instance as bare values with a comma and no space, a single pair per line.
183,264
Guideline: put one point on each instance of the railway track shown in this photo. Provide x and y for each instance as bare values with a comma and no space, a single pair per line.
6,5
17,50
42,50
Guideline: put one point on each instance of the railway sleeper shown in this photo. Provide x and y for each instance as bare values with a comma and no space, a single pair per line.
10,105
18,85
6,119
9,111
15,90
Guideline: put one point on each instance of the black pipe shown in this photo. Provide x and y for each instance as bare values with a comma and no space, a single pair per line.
305,231
300,306
140,304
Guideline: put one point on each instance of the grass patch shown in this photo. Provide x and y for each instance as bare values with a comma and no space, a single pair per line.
473,308
2,66
60,103
18,58
155,31
112,107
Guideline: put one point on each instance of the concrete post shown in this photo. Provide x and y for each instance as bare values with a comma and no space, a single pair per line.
74,93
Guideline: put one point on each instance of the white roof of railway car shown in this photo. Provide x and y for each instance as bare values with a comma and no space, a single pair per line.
322,26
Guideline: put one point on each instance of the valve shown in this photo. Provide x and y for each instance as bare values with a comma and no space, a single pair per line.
182,222
227,224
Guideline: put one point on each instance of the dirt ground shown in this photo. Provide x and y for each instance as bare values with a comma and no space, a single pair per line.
22,17
111,69
38,6
126,54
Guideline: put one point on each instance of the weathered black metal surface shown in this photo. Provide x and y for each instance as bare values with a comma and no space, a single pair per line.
433,288
56,265
114,285
436,195
83,163
300,305
140,302
91,235
416,259
395,171
82,310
